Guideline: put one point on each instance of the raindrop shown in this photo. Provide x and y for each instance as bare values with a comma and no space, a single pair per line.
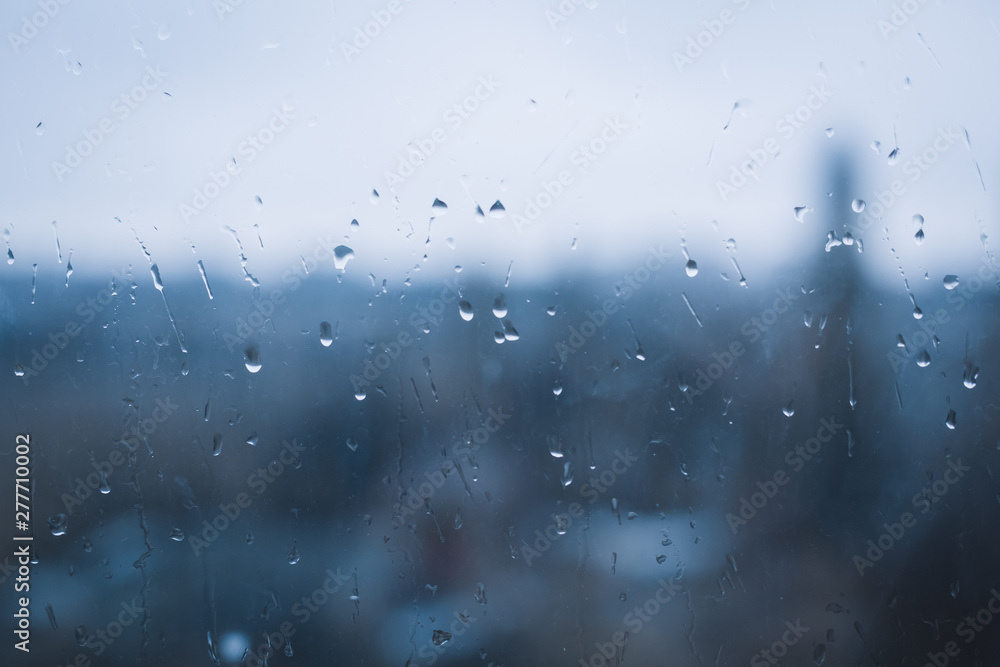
40,128
374,197
252,439
216,444
57,524
550,311
970,376
893,156
352,444
509,332
557,388
105,487
293,556
439,207
497,210
465,310
691,268
360,394
177,535
919,237
10,256
562,523
458,519
288,649
480,593
789,409
950,281
807,318
252,359
567,475
858,205
498,337
829,131
950,421
249,537
661,559
923,359
555,446
325,334
918,220
800,212
440,636
819,654
500,307
341,256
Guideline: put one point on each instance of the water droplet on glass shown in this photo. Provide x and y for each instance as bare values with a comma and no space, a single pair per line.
691,268
500,307
480,593
550,311
252,439
819,654
970,376
661,559
509,332
439,207
325,334
465,310
562,523
360,394
893,156
57,524
567,475
497,210
440,637
10,256
800,212
919,237
289,652
252,358
105,487
293,556
352,444
918,220
557,388
176,534
807,318
216,444
341,256
924,358
789,409
950,420
555,446
950,281
858,205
